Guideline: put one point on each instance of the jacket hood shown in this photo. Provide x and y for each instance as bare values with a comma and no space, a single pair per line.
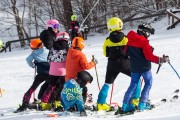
74,53
116,36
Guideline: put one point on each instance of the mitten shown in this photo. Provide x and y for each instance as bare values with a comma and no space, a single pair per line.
164,59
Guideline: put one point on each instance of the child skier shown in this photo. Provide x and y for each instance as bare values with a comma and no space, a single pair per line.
118,62
74,94
76,59
74,27
57,72
48,36
38,58
141,56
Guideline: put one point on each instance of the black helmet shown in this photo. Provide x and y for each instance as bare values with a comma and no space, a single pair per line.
83,77
145,30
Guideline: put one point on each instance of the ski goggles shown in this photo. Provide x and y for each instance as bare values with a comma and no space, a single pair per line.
56,26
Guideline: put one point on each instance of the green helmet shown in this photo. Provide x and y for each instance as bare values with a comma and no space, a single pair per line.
1,43
73,17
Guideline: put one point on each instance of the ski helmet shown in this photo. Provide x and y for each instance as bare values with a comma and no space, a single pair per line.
114,24
62,36
54,24
84,77
78,42
145,30
73,17
36,44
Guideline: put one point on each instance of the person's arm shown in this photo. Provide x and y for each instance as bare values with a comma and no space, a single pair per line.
147,50
85,64
29,60
105,49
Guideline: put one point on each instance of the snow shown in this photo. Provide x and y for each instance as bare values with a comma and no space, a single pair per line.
16,77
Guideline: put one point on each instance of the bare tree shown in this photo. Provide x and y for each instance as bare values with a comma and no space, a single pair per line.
14,11
39,11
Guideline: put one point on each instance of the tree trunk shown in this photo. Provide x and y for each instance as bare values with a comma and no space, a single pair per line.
18,22
67,12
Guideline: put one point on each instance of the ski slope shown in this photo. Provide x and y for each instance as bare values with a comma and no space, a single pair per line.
16,77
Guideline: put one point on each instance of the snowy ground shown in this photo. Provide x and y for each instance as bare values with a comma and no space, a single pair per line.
16,77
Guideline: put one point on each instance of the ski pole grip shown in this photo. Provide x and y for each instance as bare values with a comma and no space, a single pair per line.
92,57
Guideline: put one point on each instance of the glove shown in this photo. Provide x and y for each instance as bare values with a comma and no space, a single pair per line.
95,60
83,113
164,59
34,63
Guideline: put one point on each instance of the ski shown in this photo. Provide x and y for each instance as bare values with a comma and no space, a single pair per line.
170,98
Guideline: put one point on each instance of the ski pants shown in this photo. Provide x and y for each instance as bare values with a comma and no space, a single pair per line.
110,78
133,85
53,81
37,81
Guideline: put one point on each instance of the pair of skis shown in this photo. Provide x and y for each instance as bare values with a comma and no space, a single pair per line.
170,98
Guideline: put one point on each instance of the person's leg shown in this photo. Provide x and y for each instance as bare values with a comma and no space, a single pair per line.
110,77
127,102
101,102
43,89
49,90
148,84
55,96
37,81
137,93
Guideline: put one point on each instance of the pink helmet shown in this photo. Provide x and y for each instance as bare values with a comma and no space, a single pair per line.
52,23
62,36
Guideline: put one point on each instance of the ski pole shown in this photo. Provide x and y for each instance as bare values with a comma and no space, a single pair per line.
174,69
158,68
111,93
96,74
35,70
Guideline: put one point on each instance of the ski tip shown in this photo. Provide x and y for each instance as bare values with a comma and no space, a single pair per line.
176,91
164,100
175,97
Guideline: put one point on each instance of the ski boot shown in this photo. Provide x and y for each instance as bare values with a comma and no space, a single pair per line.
105,107
57,106
46,106
144,106
128,107
21,108
135,102
123,113
35,105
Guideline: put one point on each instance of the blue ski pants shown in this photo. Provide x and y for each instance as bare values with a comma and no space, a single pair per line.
133,85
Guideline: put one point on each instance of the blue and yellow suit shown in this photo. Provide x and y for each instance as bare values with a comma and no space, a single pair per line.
72,95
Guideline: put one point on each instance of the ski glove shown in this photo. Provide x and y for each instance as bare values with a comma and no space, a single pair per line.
164,59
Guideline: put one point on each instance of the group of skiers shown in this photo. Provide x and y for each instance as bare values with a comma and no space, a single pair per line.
62,67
